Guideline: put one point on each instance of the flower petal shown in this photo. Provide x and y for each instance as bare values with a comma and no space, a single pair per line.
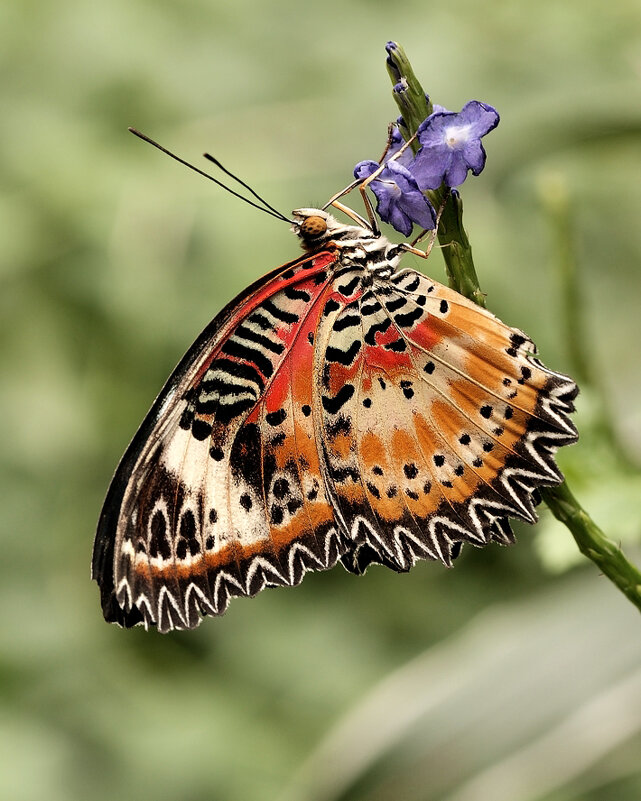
399,220
430,132
475,156
364,169
419,209
482,117
457,171
429,166
401,176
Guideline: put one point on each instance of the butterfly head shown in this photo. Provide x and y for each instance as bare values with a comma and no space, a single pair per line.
316,228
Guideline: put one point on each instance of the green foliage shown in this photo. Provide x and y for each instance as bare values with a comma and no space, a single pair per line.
111,262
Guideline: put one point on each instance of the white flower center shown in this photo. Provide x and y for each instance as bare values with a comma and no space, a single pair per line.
393,187
456,136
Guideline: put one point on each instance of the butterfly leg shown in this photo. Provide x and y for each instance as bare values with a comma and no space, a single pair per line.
354,184
424,254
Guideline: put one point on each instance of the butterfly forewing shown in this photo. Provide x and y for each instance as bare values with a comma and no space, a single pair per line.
223,478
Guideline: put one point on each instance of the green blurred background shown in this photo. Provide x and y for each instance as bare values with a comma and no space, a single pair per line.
514,677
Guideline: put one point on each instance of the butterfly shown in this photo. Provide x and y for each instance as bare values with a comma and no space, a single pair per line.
340,408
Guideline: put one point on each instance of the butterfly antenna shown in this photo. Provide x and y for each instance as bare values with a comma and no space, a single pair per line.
215,161
269,210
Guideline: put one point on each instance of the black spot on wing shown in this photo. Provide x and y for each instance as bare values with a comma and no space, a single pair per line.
373,490
296,294
276,418
526,374
279,314
409,318
187,418
396,304
281,488
398,346
350,286
410,470
370,308
333,405
159,544
226,412
344,357
245,332
349,321
214,381
261,321
294,505
332,305
200,430
370,336
216,454
246,455
250,354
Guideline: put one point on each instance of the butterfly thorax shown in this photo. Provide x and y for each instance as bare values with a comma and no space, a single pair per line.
357,246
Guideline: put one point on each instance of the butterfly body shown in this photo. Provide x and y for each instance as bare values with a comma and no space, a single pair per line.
339,408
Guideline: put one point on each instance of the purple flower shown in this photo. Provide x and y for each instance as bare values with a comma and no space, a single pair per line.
451,145
399,200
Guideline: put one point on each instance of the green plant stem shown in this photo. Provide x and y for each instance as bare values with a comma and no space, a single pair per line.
590,539
457,251
592,542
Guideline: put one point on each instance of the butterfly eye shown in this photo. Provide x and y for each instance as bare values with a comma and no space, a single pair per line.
313,226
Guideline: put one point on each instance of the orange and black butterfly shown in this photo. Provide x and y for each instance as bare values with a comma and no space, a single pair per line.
340,408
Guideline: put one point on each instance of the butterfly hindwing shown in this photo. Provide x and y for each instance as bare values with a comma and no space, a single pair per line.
442,425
